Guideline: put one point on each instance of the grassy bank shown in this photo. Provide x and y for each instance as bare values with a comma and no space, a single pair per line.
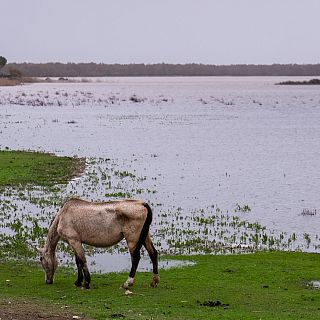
22,167
270,285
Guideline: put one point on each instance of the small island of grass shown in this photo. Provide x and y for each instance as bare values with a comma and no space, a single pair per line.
26,167
310,82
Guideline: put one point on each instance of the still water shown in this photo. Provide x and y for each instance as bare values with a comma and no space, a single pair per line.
223,142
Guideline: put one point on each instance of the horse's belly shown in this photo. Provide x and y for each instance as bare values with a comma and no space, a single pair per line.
102,241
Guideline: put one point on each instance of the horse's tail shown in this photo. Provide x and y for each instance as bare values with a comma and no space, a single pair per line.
146,226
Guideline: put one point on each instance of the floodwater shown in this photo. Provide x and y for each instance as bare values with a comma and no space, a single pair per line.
202,142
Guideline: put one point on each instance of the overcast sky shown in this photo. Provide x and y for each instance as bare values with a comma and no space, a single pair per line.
151,31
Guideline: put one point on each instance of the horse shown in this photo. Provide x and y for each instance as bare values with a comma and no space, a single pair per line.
100,224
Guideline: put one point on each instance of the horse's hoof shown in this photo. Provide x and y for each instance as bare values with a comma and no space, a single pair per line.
125,286
155,281
86,286
128,283
78,284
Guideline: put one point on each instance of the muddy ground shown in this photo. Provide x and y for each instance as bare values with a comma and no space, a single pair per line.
27,310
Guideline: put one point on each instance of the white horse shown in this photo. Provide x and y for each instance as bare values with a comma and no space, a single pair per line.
100,224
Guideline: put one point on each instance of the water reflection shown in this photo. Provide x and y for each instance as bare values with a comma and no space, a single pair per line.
106,262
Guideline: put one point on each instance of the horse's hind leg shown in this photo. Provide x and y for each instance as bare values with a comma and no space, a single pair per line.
153,254
81,264
135,258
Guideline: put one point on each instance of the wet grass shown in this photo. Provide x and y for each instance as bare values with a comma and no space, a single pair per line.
26,212
26,167
273,285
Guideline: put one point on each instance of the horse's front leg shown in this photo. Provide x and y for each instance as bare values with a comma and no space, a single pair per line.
81,263
79,280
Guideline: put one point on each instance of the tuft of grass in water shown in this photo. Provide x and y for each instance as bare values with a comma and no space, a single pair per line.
119,194
42,169
309,212
244,208
272,285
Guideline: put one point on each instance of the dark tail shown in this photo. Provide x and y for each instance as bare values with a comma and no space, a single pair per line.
146,227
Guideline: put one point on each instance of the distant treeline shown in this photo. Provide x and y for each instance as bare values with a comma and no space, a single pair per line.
161,69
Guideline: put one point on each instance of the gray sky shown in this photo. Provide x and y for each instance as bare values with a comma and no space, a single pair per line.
151,31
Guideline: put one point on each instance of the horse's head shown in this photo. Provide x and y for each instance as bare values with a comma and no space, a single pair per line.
49,263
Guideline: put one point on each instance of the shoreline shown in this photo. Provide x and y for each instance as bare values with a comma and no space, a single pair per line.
7,82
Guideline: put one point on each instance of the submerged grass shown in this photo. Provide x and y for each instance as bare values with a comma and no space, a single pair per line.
271,285
26,212
44,169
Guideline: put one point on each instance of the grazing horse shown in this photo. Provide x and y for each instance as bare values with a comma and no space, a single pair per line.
100,224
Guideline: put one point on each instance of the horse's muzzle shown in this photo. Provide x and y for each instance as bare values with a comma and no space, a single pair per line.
49,281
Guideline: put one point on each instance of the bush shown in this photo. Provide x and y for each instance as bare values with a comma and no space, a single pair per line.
3,62
14,73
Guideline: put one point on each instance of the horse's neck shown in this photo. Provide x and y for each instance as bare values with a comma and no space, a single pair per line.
51,245
53,238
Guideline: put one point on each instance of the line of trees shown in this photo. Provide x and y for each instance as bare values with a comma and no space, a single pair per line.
160,69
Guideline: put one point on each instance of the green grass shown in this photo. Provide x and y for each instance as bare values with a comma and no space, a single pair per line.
43,169
271,285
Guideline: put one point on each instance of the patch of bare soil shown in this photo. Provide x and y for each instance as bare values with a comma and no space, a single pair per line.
16,81
9,82
30,310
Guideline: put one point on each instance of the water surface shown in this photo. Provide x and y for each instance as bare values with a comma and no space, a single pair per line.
200,142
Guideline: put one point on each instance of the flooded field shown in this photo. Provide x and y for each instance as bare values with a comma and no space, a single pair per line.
228,164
